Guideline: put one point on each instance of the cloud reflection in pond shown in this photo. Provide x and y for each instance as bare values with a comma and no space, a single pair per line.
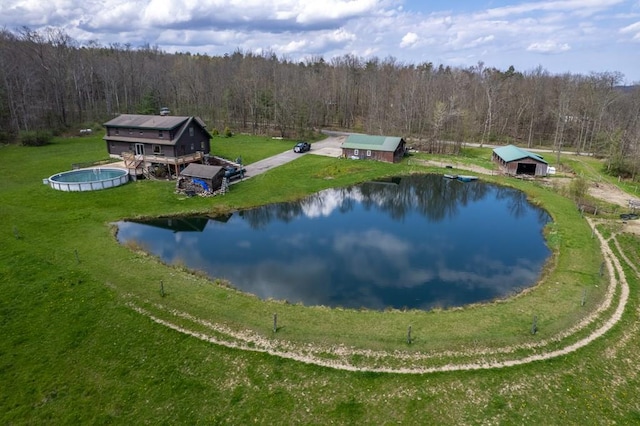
414,242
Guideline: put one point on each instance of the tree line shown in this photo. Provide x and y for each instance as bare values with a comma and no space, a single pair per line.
50,81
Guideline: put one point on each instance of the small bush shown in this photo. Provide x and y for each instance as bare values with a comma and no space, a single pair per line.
215,132
6,137
227,132
35,138
578,188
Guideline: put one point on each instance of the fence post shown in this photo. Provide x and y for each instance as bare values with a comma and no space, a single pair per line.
409,335
534,325
275,323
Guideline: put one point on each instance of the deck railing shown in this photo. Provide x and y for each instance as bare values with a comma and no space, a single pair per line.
183,159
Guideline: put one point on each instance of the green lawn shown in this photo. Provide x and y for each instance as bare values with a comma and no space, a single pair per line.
76,351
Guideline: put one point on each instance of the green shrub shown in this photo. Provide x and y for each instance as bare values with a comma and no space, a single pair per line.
578,188
6,137
227,132
35,138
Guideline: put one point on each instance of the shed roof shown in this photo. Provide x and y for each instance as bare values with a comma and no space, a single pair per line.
376,143
201,171
510,153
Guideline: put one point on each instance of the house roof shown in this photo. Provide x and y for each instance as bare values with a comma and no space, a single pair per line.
376,143
141,140
511,153
155,122
201,171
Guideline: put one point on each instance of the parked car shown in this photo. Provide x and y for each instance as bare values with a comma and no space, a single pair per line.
302,147
232,173
164,111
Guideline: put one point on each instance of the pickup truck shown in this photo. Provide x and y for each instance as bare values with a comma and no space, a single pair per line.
232,173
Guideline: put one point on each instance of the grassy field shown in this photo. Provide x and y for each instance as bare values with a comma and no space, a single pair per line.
76,351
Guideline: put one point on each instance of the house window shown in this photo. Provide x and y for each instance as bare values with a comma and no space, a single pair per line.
202,145
117,131
192,147
156,149
141,133
160,134
130,131
191,131
356,152
368,153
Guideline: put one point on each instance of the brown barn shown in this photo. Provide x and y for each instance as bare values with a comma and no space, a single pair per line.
517,161
143,140
380,148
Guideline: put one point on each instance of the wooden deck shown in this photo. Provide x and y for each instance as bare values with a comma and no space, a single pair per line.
139,164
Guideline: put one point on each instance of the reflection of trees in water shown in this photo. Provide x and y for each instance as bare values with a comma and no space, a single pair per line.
518,204
433,196
438,198
260,217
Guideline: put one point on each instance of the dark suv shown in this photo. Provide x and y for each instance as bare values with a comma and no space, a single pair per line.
302,147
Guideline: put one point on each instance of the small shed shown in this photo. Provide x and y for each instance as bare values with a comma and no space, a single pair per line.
367,147
517,161
196,176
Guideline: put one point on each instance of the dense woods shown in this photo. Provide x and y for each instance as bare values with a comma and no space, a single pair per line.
49,81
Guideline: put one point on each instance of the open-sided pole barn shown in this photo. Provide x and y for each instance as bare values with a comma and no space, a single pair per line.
517,161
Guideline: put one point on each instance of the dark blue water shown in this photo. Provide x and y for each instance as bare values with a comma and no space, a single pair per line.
412,242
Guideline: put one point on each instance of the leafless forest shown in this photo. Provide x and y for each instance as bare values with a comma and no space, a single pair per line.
50,81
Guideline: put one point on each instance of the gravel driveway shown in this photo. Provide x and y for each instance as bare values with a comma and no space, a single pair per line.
329,147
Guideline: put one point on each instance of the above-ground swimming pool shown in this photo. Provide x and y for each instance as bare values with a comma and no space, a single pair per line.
88,179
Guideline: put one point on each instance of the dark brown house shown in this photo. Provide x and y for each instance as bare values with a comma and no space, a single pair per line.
380,148
517,161
153,139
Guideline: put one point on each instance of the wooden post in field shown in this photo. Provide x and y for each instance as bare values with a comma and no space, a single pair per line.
584,297
602,269
77,257
162,293
534,325
409,336
275,323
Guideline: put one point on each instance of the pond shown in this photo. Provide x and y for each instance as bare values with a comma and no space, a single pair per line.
415,242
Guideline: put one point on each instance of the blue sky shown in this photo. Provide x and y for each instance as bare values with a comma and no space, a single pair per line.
576,36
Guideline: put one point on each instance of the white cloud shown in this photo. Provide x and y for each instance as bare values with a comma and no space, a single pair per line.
633,30
409,40
548,46
579,7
